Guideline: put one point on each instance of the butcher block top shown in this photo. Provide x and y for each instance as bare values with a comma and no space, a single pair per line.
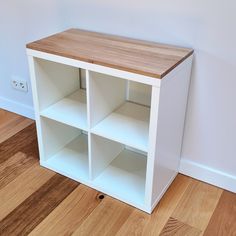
137,56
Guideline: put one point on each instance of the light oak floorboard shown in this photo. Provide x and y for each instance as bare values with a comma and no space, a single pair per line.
70,214
37,206
14,166
223,221
22,187
24,141
11,123
106,219
140,223
197,204
177,228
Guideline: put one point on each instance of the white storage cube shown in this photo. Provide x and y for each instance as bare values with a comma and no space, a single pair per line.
103,120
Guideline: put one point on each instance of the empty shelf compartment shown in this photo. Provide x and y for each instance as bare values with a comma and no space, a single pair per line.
129,124
71,110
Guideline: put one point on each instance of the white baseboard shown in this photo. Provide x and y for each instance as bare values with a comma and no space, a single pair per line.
208,175
17,107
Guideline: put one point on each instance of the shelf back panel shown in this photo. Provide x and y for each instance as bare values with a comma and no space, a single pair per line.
139,93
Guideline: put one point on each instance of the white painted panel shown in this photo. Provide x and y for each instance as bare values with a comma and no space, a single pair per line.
71,110
55,136
125,177
129,125
208,175
103,151
140,93
17,107
107,94
170,126
54,81
31,61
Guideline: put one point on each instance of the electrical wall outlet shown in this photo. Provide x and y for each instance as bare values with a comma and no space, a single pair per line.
19,84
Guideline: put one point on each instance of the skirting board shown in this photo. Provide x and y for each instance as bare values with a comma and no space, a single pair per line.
16,107
208,175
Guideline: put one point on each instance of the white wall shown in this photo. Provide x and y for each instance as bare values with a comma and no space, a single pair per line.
21,22
208,26
209,148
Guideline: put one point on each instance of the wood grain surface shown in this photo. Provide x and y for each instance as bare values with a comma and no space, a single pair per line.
24,142
141,57
106,219
37,206
177,228
11,123
14,166
197,204
223,221
37,201
21,188
71,212
152,225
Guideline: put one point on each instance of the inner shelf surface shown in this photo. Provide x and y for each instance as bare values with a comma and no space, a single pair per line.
71,110
72,160
129,125
125,177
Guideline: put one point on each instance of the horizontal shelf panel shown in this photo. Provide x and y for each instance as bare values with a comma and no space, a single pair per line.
125,177
71,110
72,160
129,125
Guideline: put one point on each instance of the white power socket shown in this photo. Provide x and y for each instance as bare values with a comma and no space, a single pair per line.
19,84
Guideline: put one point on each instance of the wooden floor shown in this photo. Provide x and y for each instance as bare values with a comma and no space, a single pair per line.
37,201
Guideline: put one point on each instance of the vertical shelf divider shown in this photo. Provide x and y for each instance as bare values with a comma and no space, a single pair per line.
88,94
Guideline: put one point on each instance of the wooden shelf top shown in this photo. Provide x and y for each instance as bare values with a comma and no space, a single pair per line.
137,56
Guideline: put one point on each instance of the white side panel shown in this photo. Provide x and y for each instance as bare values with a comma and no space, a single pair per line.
170,126
140,93
31,62
55,136
54,81
103,151
107,94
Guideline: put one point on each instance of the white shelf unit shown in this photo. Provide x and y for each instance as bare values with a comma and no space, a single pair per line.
113,131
